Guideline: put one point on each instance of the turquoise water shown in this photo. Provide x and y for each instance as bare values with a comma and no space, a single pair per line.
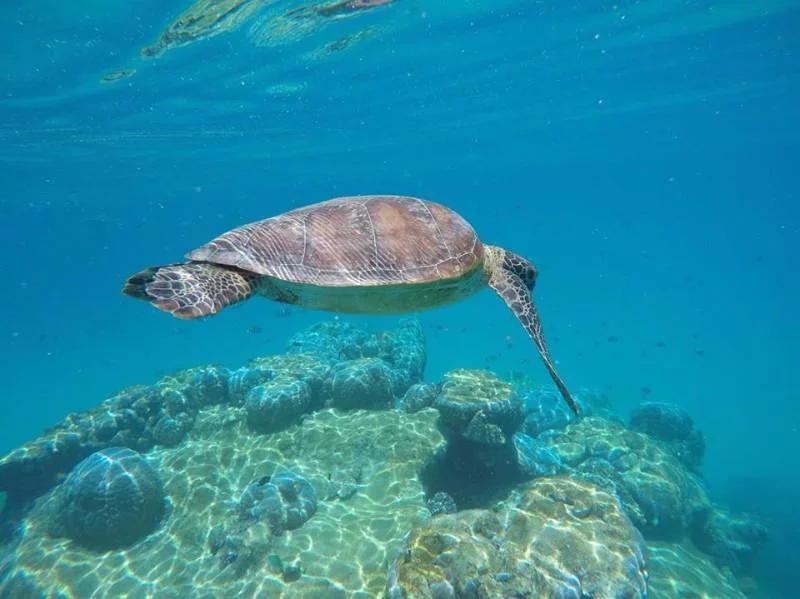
643,154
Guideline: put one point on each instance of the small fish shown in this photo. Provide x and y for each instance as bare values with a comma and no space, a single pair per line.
613,339
700,352
660,344
254,329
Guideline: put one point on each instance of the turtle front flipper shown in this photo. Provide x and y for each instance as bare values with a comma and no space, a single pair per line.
191,289
515,294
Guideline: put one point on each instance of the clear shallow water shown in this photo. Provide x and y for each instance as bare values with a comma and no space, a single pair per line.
643,154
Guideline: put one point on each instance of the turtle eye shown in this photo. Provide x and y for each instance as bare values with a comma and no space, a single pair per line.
530,276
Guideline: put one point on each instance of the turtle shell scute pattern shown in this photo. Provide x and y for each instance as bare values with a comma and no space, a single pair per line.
352,242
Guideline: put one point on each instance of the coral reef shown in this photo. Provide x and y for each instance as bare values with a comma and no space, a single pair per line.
273,406
732,540
363,383
535,458
478,406
680,571
442,503
206,549
544,408
111,499
559,537
418,397
672,426
284,499
658,493
139,418
275,390
334,470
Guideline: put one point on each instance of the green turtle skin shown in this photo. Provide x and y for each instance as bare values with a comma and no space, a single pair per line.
356,255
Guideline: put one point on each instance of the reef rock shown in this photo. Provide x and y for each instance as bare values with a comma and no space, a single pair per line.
673,427
535,458
111,499
659,494
558,537
544,409
138,418
284,499
222,506
418,397
679,571
478,406
732,540
367,383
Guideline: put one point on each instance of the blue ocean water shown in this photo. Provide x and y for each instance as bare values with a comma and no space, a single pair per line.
641,153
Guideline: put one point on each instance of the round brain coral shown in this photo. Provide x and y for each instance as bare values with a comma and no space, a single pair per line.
111,499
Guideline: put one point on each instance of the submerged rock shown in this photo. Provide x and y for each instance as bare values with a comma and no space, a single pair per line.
273,406
671,425
209,548
535,458
556,538
680,571
478,406
111,499
418,397
285,500
732,540
441,503
138,418
366,383
659,494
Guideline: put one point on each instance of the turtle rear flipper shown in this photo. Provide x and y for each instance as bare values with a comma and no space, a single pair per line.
191,289
515,294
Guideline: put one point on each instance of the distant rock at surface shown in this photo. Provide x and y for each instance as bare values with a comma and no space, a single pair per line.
516,550
111,499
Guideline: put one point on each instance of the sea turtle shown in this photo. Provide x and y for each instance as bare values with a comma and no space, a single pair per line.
360,255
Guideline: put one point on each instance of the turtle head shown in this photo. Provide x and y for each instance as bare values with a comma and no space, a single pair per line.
498,258
521,267
513,263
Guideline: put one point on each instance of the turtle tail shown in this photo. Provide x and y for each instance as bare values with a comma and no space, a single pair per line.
191,289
